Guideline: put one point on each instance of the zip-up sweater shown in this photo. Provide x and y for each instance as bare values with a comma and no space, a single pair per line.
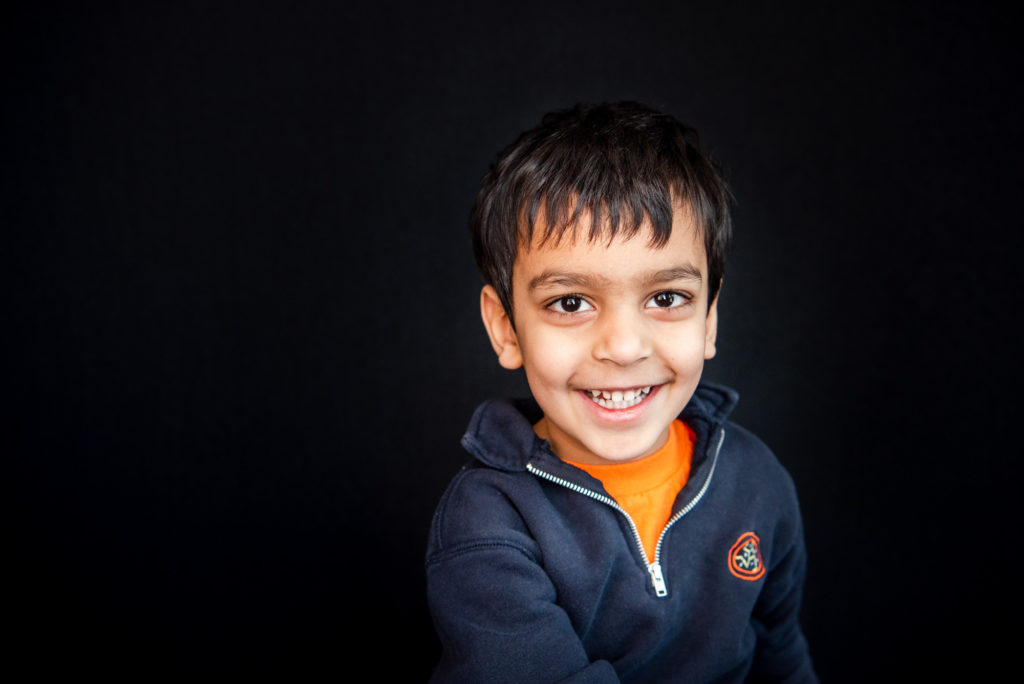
535,574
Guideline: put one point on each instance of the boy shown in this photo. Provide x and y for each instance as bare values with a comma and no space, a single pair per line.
617,527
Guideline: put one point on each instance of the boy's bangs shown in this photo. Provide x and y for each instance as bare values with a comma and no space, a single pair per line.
572,213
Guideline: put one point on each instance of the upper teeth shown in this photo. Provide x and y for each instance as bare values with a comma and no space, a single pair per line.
619,398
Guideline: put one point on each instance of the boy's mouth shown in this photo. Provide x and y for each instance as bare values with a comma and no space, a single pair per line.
617,399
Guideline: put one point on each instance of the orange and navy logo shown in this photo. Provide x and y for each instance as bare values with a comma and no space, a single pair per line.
745,557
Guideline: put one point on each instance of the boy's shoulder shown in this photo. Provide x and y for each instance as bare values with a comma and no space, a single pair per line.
713,404
749,471
486,497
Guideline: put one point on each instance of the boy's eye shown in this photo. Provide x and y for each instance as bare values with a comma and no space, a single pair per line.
570,304
667,300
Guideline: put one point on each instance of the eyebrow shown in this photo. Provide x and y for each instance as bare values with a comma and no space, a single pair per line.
683,272
552,278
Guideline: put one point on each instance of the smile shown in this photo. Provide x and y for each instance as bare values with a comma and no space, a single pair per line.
618,399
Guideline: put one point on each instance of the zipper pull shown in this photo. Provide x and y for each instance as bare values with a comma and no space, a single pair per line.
657,579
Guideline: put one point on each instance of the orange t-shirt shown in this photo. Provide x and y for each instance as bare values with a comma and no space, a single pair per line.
647,488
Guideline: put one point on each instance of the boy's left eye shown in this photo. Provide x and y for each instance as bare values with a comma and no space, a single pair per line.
667,300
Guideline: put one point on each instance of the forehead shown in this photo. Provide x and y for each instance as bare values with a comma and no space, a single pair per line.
611,256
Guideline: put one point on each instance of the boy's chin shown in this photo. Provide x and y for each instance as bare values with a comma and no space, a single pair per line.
614,454
598,449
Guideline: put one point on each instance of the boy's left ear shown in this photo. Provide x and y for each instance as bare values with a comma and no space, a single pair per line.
711,328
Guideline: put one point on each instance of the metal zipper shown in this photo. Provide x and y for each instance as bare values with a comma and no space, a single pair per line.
654,569
656,565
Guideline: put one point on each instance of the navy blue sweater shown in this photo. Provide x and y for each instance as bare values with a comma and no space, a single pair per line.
535,575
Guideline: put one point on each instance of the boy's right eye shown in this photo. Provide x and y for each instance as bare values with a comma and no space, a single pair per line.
570,304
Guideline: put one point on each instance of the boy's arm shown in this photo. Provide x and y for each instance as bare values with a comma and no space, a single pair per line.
782,654
495,613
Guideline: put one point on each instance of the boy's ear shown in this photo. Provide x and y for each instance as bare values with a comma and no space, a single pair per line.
711,328
499,329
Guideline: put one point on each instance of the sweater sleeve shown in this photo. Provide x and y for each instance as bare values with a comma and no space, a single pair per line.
782,653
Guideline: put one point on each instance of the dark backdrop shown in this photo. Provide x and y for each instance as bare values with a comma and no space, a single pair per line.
242,340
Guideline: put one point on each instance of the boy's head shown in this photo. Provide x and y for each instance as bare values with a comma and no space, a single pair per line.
602,236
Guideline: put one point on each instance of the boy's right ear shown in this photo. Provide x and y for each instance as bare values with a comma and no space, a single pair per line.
499,329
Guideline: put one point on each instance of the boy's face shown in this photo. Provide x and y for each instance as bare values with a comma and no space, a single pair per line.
612,336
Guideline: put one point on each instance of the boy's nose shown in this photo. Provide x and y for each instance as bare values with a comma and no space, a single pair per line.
622,338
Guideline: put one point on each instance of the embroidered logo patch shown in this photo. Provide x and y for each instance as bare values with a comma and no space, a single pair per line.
745,557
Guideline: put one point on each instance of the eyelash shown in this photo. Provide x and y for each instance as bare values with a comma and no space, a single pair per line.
560,302
681,295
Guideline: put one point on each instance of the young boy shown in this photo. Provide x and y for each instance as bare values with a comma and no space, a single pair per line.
617,527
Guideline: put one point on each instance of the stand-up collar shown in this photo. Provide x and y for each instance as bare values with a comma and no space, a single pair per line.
501,435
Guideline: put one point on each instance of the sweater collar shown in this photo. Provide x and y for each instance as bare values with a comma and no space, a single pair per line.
500,433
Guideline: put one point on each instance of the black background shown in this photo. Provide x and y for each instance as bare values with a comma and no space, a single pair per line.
243,339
